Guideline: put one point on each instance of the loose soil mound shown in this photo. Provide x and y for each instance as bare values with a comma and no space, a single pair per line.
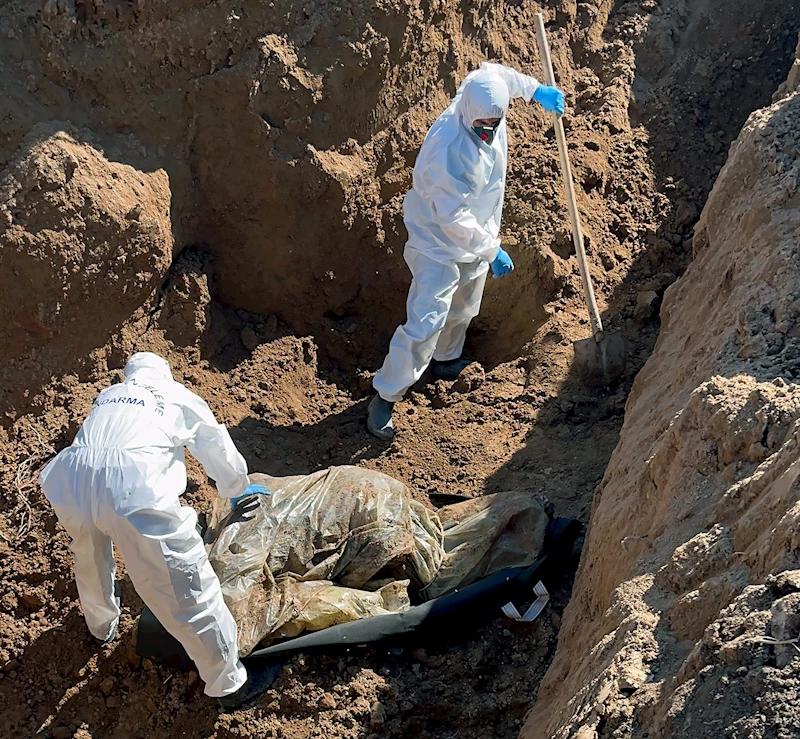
685,615
280,137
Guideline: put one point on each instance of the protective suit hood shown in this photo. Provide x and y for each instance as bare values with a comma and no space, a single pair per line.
485,96
150,362
454,208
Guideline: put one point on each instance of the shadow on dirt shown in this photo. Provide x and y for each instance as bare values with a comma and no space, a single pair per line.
719,64
339,439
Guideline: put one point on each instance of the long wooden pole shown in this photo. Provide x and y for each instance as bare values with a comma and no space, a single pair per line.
577,233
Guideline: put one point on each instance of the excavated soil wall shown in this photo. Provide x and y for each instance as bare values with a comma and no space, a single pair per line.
221,182
288,133
686,610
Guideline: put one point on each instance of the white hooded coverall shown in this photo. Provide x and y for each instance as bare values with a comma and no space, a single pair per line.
120,482
452,214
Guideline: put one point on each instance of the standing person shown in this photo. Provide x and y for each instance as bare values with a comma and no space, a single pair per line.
121,482
452,214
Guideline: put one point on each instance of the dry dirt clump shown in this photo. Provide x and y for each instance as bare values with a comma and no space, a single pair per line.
280,137
686,610
84,241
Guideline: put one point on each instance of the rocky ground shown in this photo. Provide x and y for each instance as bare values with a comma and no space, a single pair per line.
221,183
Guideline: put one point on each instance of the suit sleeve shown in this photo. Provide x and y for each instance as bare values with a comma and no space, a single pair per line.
212,446
519,85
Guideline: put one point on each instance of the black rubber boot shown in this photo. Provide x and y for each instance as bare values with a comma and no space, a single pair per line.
379,418
449,370
260,678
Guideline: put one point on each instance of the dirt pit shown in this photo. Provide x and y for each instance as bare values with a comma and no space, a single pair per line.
287,136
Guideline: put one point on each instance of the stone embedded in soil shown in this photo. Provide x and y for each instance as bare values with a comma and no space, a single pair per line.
632,679
32,601
646,303
327,702
438,394
249,338
107,685
377,715
365,381
471,378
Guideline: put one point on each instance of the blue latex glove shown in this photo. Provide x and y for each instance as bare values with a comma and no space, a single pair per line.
502,264
550,98
253,489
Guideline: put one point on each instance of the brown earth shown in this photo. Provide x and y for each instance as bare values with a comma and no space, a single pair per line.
268,146
685,615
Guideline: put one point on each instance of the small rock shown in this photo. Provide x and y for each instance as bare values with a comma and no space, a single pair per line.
377,715
249,338
439,396
419,654
752,346
476,655
785,583
327,702
148,665
566,406
32,601
686,214
107,686
632,679
757,453
754,682
646,302
10,666
62,732
471,378
135,213
365,381
555,619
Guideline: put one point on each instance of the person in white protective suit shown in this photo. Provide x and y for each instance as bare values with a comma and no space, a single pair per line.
452,213
120,482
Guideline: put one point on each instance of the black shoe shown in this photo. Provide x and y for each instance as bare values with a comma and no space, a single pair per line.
260,678
449,370
379,418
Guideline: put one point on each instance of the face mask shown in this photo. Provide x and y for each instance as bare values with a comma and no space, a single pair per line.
486,133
